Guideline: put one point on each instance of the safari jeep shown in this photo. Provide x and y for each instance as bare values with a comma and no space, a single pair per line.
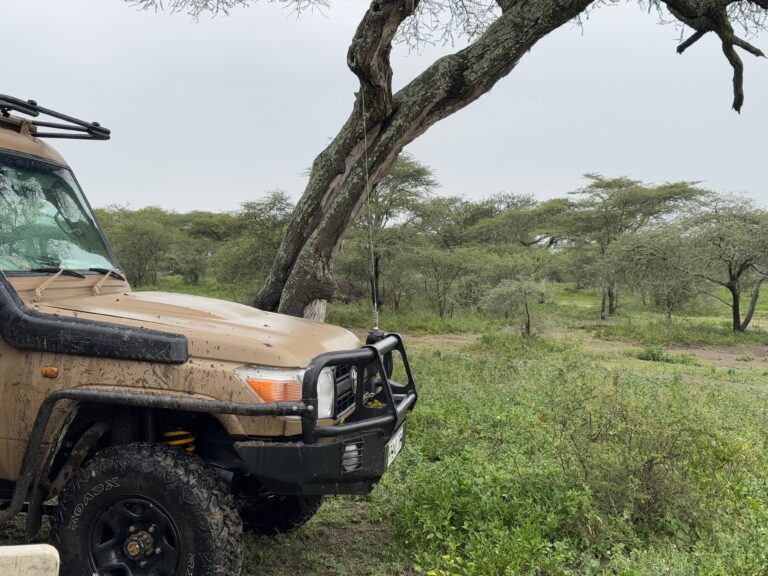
154,428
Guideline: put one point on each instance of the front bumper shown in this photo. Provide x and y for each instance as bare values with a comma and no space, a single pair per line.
347,458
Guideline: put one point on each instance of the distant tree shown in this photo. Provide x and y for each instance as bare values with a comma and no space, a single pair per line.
517,298
607,208
141,239
515,221
651,262
189,258
391,203
727,246
259,226
440,271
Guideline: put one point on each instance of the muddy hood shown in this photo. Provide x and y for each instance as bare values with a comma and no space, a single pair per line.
216,329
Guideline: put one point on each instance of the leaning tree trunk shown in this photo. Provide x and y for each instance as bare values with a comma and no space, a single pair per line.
752,305
381,124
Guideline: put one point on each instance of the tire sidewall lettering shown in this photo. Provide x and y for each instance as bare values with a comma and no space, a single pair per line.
82,506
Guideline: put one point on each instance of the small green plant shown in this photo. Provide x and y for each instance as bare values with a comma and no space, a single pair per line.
745,357
654,354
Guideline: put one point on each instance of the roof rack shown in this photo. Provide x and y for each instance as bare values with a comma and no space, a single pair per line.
69,127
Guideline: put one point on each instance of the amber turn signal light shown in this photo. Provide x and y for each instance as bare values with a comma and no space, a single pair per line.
49,372
275,390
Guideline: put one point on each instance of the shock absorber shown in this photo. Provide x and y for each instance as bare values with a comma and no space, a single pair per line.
180,438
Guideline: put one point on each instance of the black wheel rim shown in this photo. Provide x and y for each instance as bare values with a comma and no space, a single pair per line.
132,536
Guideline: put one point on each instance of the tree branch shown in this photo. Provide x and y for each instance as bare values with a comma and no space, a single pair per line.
369,52
716,298
705,17
695,37
753,303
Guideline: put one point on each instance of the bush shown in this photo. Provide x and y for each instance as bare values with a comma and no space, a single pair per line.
659,354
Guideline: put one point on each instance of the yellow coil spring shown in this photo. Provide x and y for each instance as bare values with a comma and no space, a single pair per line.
180,438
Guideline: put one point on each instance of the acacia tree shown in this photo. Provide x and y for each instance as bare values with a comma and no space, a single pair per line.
383,122
517,297
727,246
651,262
608,208
722,250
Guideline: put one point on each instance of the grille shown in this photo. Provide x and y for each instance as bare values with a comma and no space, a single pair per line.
341,372
345,394
345,401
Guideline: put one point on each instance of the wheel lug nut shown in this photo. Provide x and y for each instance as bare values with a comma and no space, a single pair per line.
158,550
132,529
143,563
152,529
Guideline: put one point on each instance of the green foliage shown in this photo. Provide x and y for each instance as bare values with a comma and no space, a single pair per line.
517,297
655,353
141,239
259,228
528,457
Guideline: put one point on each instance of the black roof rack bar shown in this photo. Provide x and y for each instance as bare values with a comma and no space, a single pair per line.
72,128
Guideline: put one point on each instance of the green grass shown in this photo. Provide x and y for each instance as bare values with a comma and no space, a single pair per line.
208,286
420,321
654,331
536,458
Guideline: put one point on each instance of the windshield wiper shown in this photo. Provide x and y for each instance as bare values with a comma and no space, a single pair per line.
108,273
111,272
59,271
48,281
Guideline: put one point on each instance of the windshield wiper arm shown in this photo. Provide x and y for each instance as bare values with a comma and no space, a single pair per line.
48,281
108,273
111,272
59,271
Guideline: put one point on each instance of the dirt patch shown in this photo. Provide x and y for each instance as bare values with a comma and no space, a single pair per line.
442,340
727,356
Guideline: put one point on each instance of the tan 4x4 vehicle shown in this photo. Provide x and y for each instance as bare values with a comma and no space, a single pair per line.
159,426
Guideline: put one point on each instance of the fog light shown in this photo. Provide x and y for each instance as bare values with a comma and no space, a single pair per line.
352,459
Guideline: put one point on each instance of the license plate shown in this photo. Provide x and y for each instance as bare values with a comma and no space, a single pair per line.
395,445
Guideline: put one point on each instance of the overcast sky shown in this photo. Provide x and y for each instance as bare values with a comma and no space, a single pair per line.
209,114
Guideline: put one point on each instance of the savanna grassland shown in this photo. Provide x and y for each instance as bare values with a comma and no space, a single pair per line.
631,446
593,375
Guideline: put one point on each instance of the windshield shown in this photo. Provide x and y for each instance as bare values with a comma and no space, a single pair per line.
45,221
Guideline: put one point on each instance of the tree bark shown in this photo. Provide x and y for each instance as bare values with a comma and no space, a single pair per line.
613,299
358,158
735,291
752,305
604,304
526,319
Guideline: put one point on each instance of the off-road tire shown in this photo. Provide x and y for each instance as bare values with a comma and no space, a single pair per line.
280,514
208,529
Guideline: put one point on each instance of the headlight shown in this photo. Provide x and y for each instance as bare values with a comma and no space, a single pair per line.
273,384
284,385
326,393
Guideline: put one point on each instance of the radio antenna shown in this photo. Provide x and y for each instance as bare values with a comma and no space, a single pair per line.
374,284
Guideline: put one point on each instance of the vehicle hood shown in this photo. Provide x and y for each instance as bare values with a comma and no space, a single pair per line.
216,329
